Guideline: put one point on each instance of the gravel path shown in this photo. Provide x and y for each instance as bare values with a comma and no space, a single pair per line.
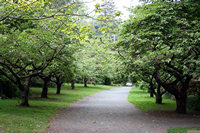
110,112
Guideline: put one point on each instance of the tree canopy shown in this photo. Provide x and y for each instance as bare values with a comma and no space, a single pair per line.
161,39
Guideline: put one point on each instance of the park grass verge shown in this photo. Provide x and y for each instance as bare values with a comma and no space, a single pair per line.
35,119
182,130
142,100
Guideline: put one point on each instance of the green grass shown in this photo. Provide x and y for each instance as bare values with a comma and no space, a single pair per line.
182,130
14,119
142,100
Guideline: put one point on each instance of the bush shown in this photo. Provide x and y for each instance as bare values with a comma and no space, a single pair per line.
107,81
8,89
142,85
193,102
37,82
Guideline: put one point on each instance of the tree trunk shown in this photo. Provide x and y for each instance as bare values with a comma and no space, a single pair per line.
45,88
24,97
158,96
151,89
158,99
59,83
181,99
24,92
85,82
72,84
94,83
179,93
150,92
58,88
181,104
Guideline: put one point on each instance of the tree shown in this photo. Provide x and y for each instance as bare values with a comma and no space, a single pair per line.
164,36
46,80
32,36
96,61
65,70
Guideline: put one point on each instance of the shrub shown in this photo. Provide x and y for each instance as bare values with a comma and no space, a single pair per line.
37,82
142,85
7,88
193,102
107,81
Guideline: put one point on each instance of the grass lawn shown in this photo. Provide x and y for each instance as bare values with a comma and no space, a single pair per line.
142,100
15,119
182,130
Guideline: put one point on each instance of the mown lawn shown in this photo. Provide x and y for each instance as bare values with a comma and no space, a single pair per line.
182,130
34,119
142,100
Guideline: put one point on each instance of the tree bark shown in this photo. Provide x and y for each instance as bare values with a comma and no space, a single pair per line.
73,84
24,92
159,99
158,95
181,98
150,92
181,104
24,97
58,88
151,89
59,83
85,82
45,88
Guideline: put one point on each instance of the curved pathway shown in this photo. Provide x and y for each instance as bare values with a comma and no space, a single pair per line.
110,112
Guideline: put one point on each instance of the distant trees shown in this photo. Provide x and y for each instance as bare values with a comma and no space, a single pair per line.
161,40
96,61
